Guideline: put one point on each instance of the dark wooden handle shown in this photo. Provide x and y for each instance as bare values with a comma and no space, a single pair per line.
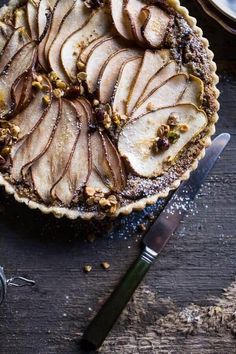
103,322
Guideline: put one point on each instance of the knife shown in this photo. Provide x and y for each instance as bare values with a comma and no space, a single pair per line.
155,240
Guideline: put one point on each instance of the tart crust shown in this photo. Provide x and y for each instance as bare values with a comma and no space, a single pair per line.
150,200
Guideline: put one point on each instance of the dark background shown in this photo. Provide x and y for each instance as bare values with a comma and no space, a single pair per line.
198,263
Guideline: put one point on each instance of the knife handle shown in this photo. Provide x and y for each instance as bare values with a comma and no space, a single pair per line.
103,322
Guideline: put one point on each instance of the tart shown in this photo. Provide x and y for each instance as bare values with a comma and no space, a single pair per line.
104,106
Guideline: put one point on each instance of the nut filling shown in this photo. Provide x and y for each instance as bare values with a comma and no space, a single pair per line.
102,103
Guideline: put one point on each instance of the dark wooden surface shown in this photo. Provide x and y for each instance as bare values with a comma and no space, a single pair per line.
198,263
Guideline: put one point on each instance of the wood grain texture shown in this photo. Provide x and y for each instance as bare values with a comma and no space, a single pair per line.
198,263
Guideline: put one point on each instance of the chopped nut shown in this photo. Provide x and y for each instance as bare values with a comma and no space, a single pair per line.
15,131
5,151
80,65
82,76
105,265
108,109
173,119
90,201
142,227
95,102
113,209
46,100
39,78
183,128
61,84
173,136
103,202
87,268
112,199
107,121
90,191
81,89
163,130
151,107
53,76
58,93
37,85
116,119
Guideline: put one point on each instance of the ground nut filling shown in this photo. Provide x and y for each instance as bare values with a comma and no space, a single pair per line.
112,106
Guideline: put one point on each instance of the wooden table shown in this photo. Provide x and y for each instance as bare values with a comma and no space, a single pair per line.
181,307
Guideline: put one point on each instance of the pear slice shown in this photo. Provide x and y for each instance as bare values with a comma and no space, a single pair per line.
20,18
74,20
18,39
138,136
127,75
22,92
116,164
83,57
5,33
44,15
121,19
48,169
59,12
32,18
152,62
110,72
158,79
76,175
194,92
132,9
166,95
97,58
30,118
25,56
98,24
36,143
155,26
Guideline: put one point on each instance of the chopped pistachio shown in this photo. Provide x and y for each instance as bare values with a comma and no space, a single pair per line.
81,89
80,65
87,268
82,76
95,102
173,119
107,121
39,78
58,93
37,85
103,202
151,107
61,84
105,265
173,136
15,130
112,199
90,201
183,128
53,76
46,100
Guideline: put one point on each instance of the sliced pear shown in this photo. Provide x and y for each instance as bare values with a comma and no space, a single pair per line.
83,57
152,62
20,18
25,56
18,39
30,118
74,20
49,168
36,143
155,26
133,10
32,18
166,95
116,164
44,21
157,80
98,57
22,92
98,24
76,176
138,136
5,33
110,72
121,19
59,12
194,92
127,75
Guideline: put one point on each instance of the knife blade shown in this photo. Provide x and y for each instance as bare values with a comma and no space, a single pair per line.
154,241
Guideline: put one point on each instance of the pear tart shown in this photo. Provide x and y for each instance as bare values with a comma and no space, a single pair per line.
105,106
